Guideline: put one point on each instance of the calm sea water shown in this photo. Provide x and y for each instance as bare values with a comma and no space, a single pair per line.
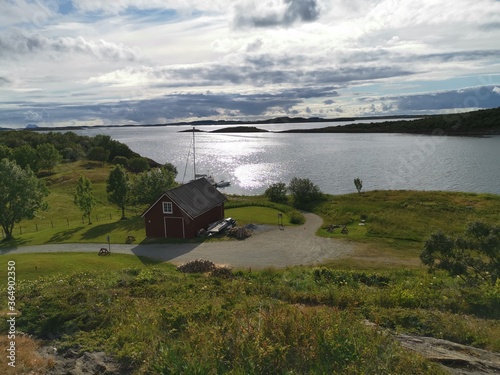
253,161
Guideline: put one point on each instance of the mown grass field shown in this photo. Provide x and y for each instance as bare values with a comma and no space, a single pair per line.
396,222
63,222
291,321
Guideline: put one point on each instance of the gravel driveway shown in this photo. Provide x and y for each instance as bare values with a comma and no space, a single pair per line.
271,248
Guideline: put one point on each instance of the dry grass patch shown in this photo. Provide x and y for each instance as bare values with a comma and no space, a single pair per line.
28,360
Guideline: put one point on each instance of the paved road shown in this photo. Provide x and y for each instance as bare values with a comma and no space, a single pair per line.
271,248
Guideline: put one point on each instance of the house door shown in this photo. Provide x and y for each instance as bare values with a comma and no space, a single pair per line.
174,227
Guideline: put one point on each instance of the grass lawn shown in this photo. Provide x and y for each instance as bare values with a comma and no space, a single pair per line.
32,266
396,222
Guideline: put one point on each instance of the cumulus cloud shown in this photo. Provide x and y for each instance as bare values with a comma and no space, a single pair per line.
275,13
17,43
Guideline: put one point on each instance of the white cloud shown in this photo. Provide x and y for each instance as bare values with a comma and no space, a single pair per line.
112,51
16,43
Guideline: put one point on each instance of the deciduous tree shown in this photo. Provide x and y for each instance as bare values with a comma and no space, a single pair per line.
276,192
21,195
83,197
149,185
48,156
304,192
118,188
26,156
138,164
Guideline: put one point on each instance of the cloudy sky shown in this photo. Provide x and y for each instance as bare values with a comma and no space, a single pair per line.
92,62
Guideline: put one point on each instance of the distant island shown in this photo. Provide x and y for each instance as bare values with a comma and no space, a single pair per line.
475,123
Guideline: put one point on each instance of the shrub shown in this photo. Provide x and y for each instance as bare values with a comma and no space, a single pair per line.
121,160
276,192
138,164
297,218
304,192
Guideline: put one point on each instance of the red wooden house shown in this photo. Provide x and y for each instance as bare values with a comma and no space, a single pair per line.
183,211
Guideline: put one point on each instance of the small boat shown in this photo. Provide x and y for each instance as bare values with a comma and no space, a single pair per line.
222,183
220,226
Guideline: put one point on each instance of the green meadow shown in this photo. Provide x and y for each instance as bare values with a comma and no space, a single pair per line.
299,320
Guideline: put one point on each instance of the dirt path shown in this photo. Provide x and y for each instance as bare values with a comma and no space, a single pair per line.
273,247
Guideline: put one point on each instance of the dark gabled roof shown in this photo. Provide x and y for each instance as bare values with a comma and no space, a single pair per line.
194,198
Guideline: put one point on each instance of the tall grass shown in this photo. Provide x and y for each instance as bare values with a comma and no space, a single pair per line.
297,320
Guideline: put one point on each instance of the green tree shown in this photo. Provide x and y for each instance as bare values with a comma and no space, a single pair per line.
26,156
21,195
98,154
48,156
83,197
359,184
149,185
170,167
118,188
138,164
277,192
122,160
474,257
5,152
304,192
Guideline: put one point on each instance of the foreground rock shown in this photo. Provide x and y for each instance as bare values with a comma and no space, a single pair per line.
456,358
73,363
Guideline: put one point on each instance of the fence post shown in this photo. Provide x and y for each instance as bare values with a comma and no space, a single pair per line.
20,229
52,224
110,216
67,220
36,227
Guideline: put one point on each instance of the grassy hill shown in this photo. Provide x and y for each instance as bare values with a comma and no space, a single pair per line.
154,319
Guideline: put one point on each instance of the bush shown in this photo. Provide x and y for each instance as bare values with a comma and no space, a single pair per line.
297,218
138,165
121,160
276,192
304,192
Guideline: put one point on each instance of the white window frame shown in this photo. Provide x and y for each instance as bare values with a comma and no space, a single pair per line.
165,206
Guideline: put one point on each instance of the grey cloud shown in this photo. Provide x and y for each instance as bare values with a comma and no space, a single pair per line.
4,81
490,26
148,111
475,97
16,43
328,101
262,76
290,12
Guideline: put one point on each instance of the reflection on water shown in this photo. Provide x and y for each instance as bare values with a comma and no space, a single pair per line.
252,161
